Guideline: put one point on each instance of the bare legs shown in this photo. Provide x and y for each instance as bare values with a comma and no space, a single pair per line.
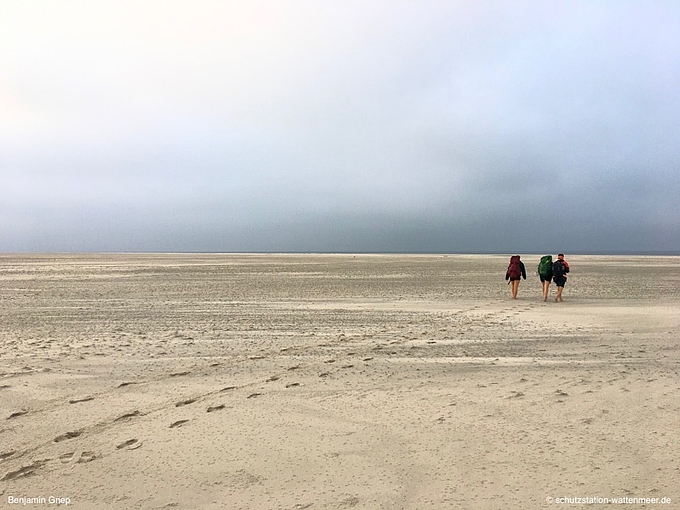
546,290
514,287
558,298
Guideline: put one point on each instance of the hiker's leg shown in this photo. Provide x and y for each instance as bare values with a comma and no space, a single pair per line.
558,298
546,290
515,288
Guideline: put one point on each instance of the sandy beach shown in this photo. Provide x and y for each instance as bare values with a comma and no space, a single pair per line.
336,381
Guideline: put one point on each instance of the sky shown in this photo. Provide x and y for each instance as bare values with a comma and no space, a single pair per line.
408,126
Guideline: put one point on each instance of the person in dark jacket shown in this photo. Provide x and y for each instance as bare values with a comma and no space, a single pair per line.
515,271
560,270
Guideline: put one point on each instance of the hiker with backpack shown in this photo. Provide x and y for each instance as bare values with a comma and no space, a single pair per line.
545,274
560,269
514,273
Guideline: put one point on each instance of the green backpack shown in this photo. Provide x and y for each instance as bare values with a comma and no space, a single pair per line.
545,266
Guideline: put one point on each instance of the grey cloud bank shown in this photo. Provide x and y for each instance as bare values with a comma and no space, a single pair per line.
340,126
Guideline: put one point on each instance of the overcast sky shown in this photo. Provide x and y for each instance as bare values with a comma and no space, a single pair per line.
340,126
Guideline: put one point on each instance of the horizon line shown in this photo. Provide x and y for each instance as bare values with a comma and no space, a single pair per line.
659,253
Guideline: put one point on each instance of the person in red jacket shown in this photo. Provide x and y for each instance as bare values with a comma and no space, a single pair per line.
560,270
515,271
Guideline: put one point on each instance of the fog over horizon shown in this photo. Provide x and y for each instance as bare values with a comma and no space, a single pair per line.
340,126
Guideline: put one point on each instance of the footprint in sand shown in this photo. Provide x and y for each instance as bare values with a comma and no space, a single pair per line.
7,455
17,414
185,402
130,444
179,374
22,472
68,435
215,408
228,388
66,457
126,383
293,385
88,457
253,395
127,416
79,400
349,502
178,423
4,386
273,378
81,458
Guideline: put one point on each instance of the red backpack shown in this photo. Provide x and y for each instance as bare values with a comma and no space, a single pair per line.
514,269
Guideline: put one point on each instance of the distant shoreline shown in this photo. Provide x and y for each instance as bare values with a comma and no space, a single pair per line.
568,253
311,253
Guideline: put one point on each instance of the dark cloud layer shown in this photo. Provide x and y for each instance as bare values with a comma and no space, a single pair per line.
340,126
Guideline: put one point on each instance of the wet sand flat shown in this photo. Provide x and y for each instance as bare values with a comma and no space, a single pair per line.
336,381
